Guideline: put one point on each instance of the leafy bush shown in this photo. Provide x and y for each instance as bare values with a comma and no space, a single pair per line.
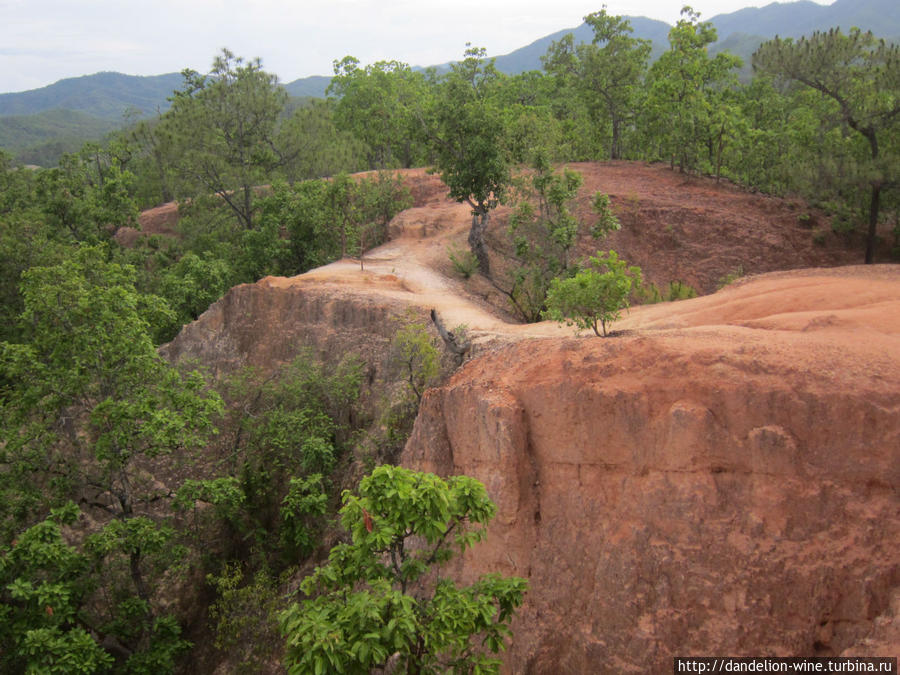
595,296
732,276
464,261
679,290
370,605
245,615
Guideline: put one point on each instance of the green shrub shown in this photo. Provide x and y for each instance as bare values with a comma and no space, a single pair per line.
595,296
678,290
376,600
465,264
732,276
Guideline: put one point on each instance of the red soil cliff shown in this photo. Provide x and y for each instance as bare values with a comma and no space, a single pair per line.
721,479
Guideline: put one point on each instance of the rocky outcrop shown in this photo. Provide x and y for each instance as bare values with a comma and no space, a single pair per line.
720,479
272,321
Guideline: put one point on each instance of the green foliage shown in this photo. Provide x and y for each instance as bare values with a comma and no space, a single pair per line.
302,210
679,290
377,200
860,76
42,586
192,284
465,133
165,648
289,430
245,616
41,138
544,230
731,277
649,294
50,592
372,601
88,195
595,296
301,510
327,149
603,79
90,381
606,221
687,112
226,124
87,402
464,262
327,220
542,237
376,104
414,354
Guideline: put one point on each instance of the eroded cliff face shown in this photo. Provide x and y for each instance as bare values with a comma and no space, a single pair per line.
720,478
270,322
729,486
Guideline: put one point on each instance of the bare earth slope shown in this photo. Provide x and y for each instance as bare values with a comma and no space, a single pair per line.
721,478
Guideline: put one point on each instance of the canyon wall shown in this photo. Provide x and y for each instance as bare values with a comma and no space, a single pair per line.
726,486
719,478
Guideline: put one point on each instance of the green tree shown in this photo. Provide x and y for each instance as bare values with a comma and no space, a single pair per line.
543,230
154,161
595,296
861,76
288,431
605,74
466,135
86,406
226,124
87,195
414,355
371,604
379,199
327,149
687,109
43,587
375,104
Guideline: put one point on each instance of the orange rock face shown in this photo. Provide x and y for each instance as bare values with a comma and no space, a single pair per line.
720,479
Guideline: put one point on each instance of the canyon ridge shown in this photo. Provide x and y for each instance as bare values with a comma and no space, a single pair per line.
720,477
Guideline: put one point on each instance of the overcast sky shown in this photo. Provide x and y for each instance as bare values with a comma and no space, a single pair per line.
42,41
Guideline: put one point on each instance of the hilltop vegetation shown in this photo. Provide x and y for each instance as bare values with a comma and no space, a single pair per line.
116,97
127,481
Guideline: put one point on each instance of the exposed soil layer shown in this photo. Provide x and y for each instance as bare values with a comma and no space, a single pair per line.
721,477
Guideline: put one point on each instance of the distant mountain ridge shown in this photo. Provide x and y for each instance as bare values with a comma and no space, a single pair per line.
106,97
794,19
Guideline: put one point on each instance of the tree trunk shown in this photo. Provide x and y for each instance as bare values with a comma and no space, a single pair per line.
476,241
874,205
614,152
247,215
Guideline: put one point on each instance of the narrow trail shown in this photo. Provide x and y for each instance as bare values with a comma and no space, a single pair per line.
413,268
675,227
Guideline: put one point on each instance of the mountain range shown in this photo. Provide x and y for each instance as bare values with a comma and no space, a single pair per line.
35,125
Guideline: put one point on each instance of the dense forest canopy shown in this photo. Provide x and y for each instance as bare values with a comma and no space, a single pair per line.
98,522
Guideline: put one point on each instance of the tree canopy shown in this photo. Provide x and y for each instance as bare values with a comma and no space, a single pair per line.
860,74
371,604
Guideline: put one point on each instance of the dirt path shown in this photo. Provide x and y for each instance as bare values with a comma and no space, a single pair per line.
413,267
674,226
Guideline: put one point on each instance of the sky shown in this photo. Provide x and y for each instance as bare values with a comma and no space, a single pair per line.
42,41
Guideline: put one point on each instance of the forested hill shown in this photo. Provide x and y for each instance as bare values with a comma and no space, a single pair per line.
739,32
109,95
37,126
105,95
794,19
